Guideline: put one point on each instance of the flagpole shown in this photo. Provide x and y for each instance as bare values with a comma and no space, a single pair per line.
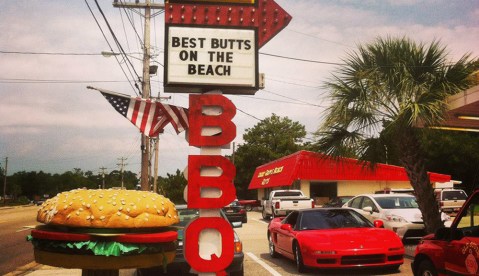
155,172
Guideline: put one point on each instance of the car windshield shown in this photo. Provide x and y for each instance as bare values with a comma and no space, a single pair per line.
287,193
187,215
397,202
454,195
235,204
332,219
345,199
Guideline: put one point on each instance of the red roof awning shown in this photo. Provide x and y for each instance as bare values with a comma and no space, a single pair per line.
315,166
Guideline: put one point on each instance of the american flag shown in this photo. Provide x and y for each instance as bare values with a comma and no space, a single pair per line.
147,115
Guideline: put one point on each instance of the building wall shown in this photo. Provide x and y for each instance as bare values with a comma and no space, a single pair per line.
261,194
304,186
351,188
365,187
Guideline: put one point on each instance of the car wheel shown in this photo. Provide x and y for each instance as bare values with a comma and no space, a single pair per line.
272,213
245,219
426,268
248,208
298,258
272,249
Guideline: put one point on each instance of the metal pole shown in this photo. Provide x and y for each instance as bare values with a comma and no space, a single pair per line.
5,182
145,141
155,173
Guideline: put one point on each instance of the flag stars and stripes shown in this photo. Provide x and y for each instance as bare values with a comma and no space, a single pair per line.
149,116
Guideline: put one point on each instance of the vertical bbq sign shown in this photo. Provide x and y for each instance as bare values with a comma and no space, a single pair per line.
211,49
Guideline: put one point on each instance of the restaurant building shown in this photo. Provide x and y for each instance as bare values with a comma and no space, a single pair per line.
322,177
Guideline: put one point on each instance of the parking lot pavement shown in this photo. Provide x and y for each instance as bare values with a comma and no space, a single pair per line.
259,262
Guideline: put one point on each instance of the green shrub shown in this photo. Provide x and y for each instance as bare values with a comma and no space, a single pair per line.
23,200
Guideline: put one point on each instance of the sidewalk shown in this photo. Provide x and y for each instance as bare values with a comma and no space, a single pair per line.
35,269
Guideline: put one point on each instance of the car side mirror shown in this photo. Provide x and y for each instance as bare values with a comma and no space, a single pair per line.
286,227
368,209
378,223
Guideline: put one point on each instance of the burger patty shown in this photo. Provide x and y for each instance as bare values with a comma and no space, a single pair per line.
114,245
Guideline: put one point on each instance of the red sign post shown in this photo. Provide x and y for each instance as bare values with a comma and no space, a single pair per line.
213,45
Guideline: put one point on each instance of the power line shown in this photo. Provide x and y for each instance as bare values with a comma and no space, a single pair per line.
293,99
313,36
40,81
49,53
96,54
303,60
109,45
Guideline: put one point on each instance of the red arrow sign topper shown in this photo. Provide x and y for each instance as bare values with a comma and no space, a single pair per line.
266,15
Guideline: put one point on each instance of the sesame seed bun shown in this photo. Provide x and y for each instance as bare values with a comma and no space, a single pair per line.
108,209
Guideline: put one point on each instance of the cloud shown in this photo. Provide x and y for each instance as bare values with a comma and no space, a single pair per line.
57,126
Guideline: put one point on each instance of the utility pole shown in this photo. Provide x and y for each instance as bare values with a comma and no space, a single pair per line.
5,182
103,177
145,141
122,164
155,173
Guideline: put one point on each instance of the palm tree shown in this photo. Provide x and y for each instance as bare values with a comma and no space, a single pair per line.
379,97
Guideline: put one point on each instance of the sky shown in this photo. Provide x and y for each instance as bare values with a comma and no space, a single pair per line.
50,51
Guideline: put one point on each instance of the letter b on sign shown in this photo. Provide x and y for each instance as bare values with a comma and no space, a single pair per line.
198,120
224,182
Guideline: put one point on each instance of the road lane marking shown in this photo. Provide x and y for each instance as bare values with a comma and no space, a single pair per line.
263,264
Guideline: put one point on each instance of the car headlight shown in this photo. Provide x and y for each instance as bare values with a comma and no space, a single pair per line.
396,218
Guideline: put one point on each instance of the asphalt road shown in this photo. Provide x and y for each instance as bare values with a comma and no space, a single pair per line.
16,251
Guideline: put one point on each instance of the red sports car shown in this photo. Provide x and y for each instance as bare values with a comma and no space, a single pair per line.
334,238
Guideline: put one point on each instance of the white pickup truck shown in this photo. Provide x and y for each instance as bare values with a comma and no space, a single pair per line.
282,202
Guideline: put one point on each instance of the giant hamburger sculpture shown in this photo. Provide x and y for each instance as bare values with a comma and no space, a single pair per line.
105,229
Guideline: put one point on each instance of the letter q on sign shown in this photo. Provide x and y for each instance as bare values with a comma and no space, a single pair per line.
192,244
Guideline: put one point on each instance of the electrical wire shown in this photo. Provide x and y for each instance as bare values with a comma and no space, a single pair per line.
111,49
118,44
303,60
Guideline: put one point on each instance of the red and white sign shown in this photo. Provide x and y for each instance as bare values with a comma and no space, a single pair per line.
210,57
214,45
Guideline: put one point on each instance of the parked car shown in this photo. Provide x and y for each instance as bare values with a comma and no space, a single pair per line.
395,191
249,204
334,238
338,201
179,265
235,212
282,202
454,250
450,200
399,212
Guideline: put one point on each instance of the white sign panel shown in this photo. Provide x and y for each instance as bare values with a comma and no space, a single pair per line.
211,57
